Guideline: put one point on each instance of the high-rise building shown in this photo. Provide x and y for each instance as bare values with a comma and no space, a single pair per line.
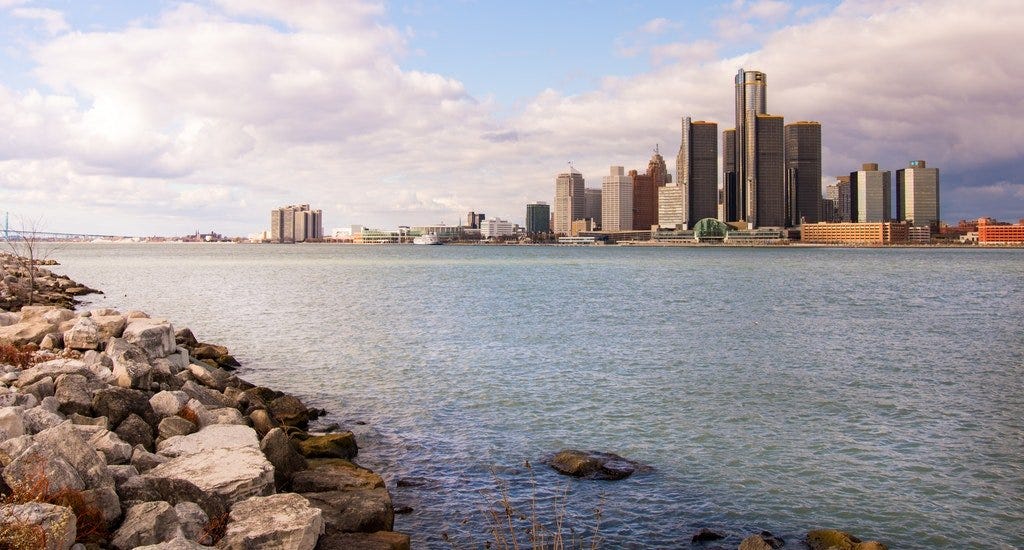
917,195
803,172
672,206
617,201
592,198
697,170
471,220
657,169
295,224
751,100
538,218
870,194
570,200
731,197
839,194
766,190
645,201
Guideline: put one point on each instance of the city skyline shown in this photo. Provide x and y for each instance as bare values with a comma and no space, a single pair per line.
220,111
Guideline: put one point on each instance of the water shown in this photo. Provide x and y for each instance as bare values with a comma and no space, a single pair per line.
879,391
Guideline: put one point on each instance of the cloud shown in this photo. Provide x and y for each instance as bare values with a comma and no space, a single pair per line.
212,115
52,20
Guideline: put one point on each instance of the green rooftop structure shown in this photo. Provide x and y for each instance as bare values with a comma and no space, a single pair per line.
710,230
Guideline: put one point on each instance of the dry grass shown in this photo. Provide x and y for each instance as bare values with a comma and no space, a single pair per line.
19,356
213,531
188,414
90,527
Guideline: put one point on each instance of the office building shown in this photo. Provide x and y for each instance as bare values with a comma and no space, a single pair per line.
592,198
766,173
295,224
570,200
870,194
839,194
803,172
617,201
917,195
495,227
672,206
538,218
657,169
751,102
645,201
828,210
993,232
873,233
730,193
697,170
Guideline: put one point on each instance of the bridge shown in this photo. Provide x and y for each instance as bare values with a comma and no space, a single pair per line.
26,235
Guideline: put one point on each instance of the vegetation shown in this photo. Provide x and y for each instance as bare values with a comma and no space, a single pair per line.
19,356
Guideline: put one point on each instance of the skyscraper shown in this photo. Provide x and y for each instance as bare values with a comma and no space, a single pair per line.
803,172
917,195
731,196
766,182
592,197
697,170
672,206
538,218
617,201
645,201
839,193
570,200
295,224
870,194
751,101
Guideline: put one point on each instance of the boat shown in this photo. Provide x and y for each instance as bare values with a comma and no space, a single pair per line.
427,239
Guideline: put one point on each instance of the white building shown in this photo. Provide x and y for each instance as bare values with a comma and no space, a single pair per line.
871,194
495,227
672,206
617,200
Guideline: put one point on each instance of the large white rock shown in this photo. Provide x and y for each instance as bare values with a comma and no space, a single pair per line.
229,475
109,326
147,523
168,403
131,366
84,335
155,336
52,369
215,436
58,522
10,422
26,332
277,522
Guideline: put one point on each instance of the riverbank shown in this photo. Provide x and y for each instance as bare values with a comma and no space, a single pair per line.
117,430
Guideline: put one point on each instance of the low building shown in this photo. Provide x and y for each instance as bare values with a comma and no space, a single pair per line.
919,234
761,235
674,234
993,232
577,240
495,227
377,236
579,226
855,233
443,231
616,236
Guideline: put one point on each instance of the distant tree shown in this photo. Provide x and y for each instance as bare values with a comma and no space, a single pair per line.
29,249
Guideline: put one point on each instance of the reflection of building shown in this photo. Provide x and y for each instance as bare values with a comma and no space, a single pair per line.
296,224
538,218
917,194
592,198
855,233
570,200
993,232
803,172
617,201
697,170
870,194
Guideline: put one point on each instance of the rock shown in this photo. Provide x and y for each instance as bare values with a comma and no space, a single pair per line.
334,474
168,403
37,466
131,366
355,510
184,337
55,316
176,544
136,314
39,419
278,449
80,420
209,398
52,369
109,326
192,519
592,465
261,421
155,336
212,378
117,404
11,424
144,460
257,398
66,441
381,540
24,333
762,541
84,335
175,425
147,523
218,436
706,535
50,403
8,318
288,410
222,476
52,341
136,431
41,389
285,522
73,394
13,448
115,450
122,473
221,415
832,539
339,445
58,523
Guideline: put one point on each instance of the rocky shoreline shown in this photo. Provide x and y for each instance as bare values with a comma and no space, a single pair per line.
116,431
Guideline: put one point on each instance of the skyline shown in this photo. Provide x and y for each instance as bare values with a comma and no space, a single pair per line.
170,117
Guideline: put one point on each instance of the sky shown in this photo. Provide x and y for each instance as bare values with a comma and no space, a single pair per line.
167,117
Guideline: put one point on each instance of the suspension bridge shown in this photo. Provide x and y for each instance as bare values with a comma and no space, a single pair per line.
28,234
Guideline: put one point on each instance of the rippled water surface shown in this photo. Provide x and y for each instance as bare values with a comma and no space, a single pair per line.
878,391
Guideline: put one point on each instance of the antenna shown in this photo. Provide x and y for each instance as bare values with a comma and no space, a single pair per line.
656,151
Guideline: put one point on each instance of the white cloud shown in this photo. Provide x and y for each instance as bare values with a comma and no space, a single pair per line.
52,20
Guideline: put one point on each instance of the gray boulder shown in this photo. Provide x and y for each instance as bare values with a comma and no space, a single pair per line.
117,404
355,510
218,436
52,369
36,465
211,377
26,332
147,523
174,426
179,543
155,336
168,403
278,449
109,326
84,335
212,399
221,477
135,431
144,460
58,523
192,519
74,394
41,389
11,424
38,419
131,366
115,450
285,522
221,415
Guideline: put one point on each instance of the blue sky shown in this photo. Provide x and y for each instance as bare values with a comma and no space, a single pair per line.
166,117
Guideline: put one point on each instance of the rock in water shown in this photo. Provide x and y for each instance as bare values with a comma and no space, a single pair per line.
832,539
285,522
762,541
705,535
592,465
339,445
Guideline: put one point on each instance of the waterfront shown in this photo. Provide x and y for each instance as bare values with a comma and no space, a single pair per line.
873,390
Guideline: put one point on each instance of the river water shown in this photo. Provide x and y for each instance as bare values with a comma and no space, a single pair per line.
879,391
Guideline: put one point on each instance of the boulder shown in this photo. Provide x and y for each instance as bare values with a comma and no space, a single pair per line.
284,522
762,541
53,341
173,426
147,523
212,399
381,540
74,394
832,539
218,436
221,415
221,476
136,431
176,544
115,450
24,333
8,318
11,424
278,449
184,337
339,445
66,441
144,460
13,448
39,419
355,510
592,465
52,369
213,378
35,469
117,404
288,410
109,326
81,420
84,335
192,519
131,366
41,389
706,535
58,523
334,474
155,336
168,403
261,421
122,473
